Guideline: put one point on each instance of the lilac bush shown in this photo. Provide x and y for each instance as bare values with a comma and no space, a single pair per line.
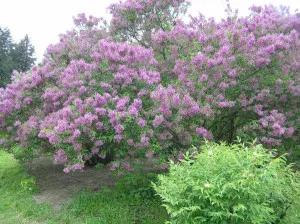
237,77
84,100
147,84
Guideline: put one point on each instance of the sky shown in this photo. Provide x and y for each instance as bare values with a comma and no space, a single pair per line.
44,20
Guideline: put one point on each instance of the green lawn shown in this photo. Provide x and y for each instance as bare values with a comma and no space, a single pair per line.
122,205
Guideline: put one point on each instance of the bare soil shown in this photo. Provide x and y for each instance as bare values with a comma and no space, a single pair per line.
57,188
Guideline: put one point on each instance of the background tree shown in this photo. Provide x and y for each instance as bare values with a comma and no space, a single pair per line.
14,56
23,55
6,65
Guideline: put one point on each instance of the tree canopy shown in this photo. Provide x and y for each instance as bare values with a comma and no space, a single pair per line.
14,56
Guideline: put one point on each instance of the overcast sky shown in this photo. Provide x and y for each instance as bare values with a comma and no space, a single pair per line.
43,20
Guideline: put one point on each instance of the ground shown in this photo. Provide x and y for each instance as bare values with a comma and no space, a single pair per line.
57,187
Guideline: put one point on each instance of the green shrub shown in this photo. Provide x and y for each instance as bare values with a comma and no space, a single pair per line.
231,184
137,185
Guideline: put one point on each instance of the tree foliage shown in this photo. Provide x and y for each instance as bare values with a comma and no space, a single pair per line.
23,55
14,56
5,57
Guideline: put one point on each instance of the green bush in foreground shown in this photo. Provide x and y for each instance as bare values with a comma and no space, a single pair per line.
231,184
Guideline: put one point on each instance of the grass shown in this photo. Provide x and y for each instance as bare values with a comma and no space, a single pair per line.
131,202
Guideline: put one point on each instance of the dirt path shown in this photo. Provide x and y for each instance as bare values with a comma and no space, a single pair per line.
57,187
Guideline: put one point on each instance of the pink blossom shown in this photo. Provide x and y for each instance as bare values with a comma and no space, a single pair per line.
102,156
203,78
289,132
99,143
205,133
60,156
95,150
77,166
17,123
127,166
158,120
131,152
165,166
180,156
113,166
67,169
77,133
141,122
149,154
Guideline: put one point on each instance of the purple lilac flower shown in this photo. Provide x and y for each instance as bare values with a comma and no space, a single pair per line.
157,120
113,166
102,156
131,152
180,156
141,122
17,124
205,133
77,166
203,78
149,154
60,156
77,133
